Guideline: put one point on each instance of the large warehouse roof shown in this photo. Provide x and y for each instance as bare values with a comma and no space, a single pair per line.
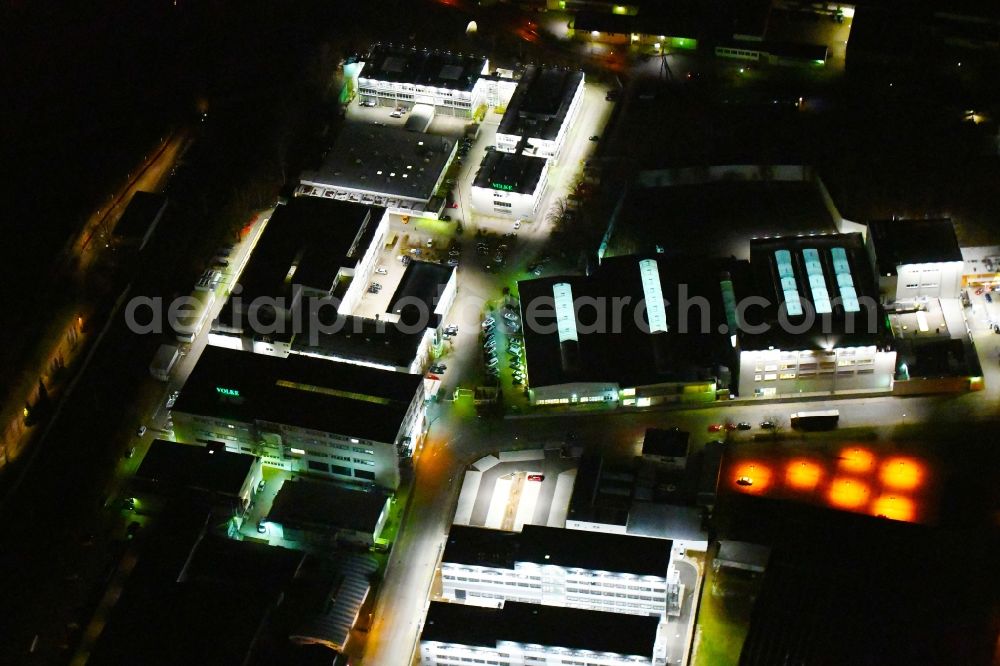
383,161
651,342
597,551
300,391
823,288
551,626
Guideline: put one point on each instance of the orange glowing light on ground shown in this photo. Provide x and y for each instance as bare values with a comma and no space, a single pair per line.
848,493
894,507
902,473
803,474
856,460
757,474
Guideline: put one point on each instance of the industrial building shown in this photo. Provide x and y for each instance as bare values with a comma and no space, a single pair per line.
521,633
509,185
404,76
639,330
540,112
311,248
322,512
300,291
558,567
301,414
383,166
822,329
916,259
229,601
169,467
646,497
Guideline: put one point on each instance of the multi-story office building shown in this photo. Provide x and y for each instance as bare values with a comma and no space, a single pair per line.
337,420
916,259
510,185
556,567
531,635
540,112
404,76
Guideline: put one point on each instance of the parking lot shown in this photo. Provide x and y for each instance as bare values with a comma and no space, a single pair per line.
418,239
517,488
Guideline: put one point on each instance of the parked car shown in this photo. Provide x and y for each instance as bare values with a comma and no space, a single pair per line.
452,262
451,330
140,431
536,477
261,527
130,452
742,425
438,368
510,316
381,270
767,425
395,114
367,103
715,427
489,321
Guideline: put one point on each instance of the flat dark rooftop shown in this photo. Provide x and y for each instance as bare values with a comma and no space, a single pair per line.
734,211
423,67
670,443
315,237
342,398
384,161
422,281
589,503
172,466
509,172
359,339
598,551
626,353
835,328
540,102
143,211
554,626
308,503
192,594
899,242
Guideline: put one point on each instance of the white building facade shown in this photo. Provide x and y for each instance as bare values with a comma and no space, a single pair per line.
553,585
507,200
530,635
548,144
930,280
776,372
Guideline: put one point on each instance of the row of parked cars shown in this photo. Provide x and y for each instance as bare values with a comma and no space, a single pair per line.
515,345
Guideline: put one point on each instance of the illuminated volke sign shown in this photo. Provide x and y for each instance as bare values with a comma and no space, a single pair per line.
222,390
503,186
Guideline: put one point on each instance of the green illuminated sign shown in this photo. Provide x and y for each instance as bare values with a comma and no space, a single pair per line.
222,390
502,186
